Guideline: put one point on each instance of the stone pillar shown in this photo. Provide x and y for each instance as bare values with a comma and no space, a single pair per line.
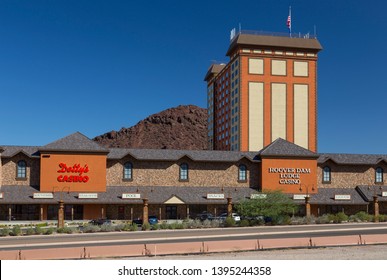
376,209
72,212
61,214
102,212
307,206
41,213
187,212
9,213
145,211
229,206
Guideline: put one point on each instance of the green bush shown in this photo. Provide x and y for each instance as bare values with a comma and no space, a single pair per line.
164,226
340,217
324,219
38,230
119,227
16,231
145,226
207,224
30,231
4,232
281,220
244,223
155,227
229,222
107,228
194,223
91,229
48,231
216,223
382,218
363,217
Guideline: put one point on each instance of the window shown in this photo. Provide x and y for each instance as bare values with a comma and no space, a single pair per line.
326,175
242,173
379,175
21,170
128,171
183,172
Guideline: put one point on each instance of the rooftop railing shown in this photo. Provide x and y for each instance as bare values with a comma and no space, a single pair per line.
277,34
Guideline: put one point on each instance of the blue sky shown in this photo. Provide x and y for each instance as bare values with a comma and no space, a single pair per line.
95,66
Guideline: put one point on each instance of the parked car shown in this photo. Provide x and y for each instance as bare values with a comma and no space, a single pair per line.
152,220
235,216
100,222
205,216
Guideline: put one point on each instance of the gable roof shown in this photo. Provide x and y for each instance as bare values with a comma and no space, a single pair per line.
283,148
76,142
10,151
353,159
173,155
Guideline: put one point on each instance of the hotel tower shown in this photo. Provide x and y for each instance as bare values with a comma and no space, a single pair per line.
267,90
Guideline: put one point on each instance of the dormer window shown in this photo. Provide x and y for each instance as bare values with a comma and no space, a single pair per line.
21,170
128,171
379,175
242,173
183,173
326,175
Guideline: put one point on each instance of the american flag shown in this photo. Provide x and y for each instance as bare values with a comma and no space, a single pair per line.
289,22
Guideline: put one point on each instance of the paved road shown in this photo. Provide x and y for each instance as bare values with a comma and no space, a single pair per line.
181,236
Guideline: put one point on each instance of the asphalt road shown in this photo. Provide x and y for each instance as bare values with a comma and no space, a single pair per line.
197,235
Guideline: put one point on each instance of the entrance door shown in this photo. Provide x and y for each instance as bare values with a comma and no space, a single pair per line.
171,212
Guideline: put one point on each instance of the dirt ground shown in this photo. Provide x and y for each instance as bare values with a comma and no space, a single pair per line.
362,252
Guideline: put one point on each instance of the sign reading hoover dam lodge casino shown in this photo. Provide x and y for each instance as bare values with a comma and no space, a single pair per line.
290,176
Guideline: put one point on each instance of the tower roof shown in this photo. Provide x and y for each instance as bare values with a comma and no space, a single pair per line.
213,70
257,40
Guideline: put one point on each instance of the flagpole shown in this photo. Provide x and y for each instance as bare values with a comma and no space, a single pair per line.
290,24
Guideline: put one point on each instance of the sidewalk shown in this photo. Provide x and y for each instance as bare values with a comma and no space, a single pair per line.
97,252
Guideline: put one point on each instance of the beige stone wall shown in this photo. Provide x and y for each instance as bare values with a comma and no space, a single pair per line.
9,171
349,176
1,172
201,174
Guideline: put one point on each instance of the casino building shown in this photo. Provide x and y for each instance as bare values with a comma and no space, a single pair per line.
262,131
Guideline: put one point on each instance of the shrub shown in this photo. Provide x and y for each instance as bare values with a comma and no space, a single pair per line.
155,227
244,223
216,223
164,226
67,230
119,227
229,222
363,216
38,230
207,224
91,229
16,231
382,218
48,231
194,224
324,219
30,231
145,226
341,217
4,232
107,228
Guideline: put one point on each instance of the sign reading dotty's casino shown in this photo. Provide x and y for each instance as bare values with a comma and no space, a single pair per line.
69,171
289,175
76,173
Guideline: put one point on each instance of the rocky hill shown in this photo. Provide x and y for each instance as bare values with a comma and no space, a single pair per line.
181,128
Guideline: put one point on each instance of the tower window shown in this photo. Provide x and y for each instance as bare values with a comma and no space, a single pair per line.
128,171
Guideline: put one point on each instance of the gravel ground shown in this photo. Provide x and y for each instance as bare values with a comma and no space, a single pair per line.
368,252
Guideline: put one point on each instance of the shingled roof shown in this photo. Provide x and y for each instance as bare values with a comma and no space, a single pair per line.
113,195
173,155
283,148
214,69
326,196
355,159
76,142
10,151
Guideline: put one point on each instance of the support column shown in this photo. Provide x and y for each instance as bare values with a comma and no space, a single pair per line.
376,209
9,213
41,213
307,206
72,212
145,211
187,211
61,214
229,206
